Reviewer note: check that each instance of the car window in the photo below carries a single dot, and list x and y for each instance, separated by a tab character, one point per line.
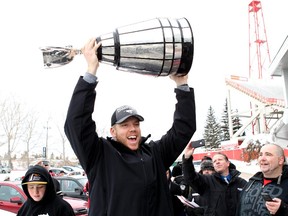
73	185
7	192
68	168
68	185
14	192
56	171
4	193
83	181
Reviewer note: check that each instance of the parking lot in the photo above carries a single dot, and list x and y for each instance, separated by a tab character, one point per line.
13	175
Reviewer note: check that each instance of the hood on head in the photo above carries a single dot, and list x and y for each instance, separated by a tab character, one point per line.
39	175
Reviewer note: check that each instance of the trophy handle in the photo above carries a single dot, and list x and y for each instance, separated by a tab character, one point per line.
58	56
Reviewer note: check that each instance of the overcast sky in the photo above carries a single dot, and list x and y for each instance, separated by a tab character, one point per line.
220	30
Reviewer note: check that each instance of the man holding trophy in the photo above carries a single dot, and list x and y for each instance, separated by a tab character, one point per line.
127	176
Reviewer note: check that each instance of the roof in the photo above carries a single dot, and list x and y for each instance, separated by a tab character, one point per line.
268	92
280	61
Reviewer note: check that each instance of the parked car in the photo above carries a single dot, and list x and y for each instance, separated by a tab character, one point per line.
12	198
58	170
4	169
73	186
74	170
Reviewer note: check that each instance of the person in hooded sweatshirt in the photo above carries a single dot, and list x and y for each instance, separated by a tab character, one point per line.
41	195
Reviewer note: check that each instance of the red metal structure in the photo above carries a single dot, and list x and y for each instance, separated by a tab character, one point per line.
259	56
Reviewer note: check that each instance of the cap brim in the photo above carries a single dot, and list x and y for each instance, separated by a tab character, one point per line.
139	117
34	182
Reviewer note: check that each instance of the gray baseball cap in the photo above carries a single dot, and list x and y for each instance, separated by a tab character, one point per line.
124	112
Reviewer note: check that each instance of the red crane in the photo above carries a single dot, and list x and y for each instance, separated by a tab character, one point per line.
259	56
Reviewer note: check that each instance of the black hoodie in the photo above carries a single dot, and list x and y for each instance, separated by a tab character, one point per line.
50	205
122	181
253	204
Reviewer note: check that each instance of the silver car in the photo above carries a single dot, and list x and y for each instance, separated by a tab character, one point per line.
4	169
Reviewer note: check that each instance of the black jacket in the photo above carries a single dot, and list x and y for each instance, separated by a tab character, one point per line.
177	187
125	182
253	204
51	204
221	198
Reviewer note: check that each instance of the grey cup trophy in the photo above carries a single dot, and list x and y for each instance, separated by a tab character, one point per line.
157	47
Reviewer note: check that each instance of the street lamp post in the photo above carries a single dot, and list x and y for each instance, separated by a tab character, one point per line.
45	152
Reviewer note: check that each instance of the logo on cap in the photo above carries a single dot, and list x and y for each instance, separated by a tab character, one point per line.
35	178
124	112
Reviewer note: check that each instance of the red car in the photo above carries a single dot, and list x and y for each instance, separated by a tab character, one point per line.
12	198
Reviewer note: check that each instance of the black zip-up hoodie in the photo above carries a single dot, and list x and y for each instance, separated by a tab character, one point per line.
50	205
253	204
122	181
217	197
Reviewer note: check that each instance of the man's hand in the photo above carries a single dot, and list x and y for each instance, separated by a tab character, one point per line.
90	53
273	205
188	151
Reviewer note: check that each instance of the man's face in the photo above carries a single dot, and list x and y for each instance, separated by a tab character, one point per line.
128	133
36	191
270	163
221	165
207	172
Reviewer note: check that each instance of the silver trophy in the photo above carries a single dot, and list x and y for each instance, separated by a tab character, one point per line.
157	47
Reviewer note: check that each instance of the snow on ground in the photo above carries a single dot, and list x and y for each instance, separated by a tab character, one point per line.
245	167
15	174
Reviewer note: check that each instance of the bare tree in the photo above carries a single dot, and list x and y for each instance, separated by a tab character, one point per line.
11	122
30	137
63	139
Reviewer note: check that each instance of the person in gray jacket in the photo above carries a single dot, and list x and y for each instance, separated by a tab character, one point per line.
271	180
221	190
127	175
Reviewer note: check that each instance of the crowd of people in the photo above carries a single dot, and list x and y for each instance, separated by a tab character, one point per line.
216	187
220	190
129	175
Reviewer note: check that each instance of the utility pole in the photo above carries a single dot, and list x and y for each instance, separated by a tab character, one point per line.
45	150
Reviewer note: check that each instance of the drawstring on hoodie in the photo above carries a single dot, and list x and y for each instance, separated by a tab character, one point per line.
249	186
279	179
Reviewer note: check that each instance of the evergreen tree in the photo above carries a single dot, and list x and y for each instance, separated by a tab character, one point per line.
225	123
236	122
212	131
